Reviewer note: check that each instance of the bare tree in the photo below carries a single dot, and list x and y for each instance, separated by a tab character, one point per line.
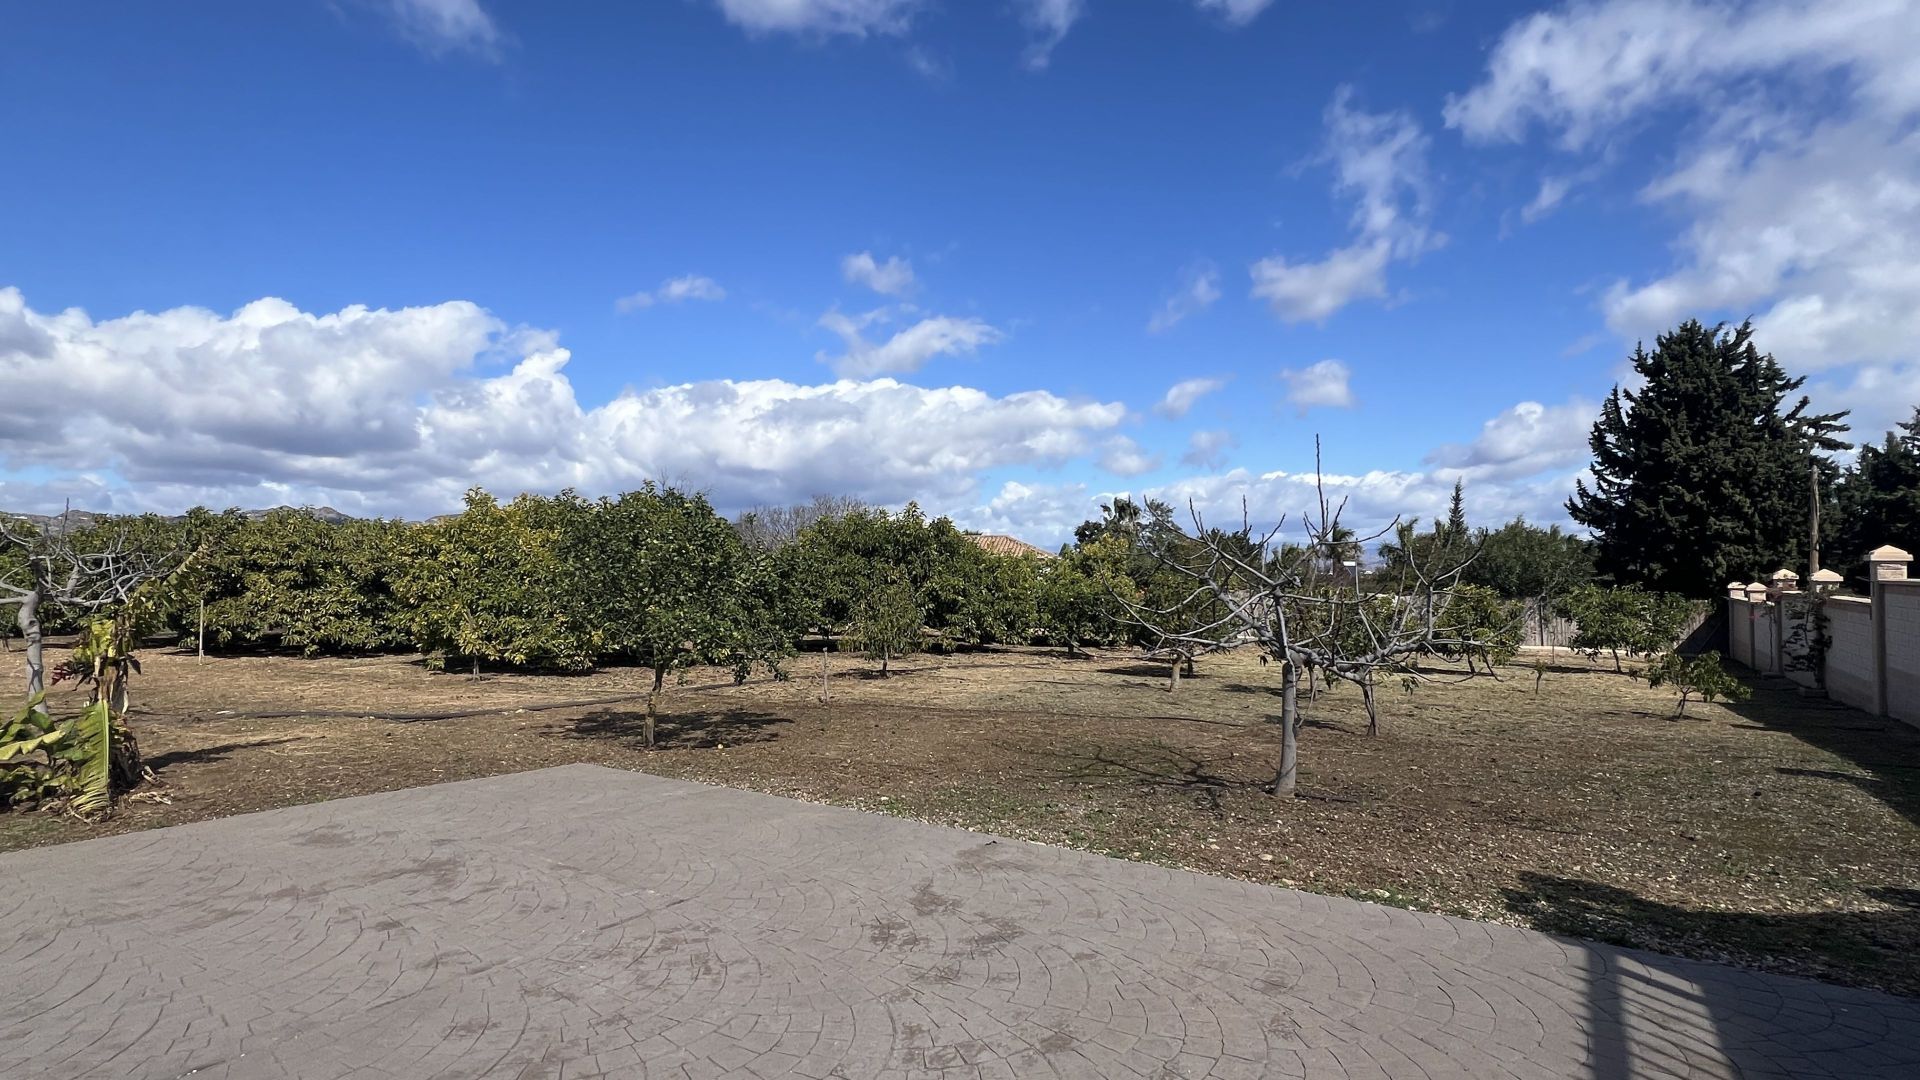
86	573
1302	605
767	528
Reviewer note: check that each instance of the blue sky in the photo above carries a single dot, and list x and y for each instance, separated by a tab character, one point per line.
923	249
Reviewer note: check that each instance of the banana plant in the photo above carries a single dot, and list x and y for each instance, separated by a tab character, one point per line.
29	769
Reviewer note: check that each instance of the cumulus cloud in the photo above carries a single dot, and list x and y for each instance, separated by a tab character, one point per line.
892	278
1379	161
398	411
1181	396
1041	514
1321	385
907	350
1527	439
1208	449
852	18
673	291
1373	499
443	26
1199	288
1122	456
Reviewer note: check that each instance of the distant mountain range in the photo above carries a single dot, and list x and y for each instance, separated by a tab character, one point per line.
80	519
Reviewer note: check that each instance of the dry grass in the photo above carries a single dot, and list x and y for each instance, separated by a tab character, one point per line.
1781	833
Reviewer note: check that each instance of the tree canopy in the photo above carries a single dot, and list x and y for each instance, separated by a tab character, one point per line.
1701	475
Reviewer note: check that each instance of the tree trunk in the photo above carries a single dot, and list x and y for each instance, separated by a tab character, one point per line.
1366	698
659	680
823	676
1285	777
202	647
29	619
886	655
1173	678
476	667
1617	669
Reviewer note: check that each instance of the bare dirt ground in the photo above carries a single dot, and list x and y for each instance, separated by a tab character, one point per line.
1780	833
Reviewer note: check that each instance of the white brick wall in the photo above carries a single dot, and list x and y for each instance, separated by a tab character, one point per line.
1850	656
1902	629
1739	632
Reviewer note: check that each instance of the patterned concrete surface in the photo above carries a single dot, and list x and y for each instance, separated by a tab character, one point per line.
583	922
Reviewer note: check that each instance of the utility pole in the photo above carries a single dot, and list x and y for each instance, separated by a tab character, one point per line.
1813	545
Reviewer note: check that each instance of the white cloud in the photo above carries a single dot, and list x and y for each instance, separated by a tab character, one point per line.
1234	12
674	291
1380	161
398	411
1553	191
1198	289
907	350
1324	384
892	278
1373	499
1817	235
1122	456
1181	396
853	18
1313	291
1208	449
1049	21
1796	169
442	26
1586	68
1041	514
1525	440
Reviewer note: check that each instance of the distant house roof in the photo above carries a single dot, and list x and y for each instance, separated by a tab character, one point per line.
1007	545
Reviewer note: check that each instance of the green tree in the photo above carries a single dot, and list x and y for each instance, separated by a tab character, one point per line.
490	585
1076	597
1701	475
1700	676
1878	499
1521	561
887	620
1626	620
660	580
291	578
1489	626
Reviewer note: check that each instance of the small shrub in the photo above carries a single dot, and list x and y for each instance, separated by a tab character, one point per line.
1699	676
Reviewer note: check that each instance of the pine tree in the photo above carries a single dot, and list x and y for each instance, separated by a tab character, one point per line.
1878	499
1456	527
1700	476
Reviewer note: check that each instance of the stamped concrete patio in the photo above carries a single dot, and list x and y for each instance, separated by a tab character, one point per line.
584	921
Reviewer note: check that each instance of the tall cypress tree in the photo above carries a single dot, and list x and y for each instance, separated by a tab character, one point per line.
1456	527
1879	499
1701	475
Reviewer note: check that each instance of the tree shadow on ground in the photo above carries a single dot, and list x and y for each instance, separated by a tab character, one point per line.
1842	946
1156	765
872	674
1143	669
1631	996
160	762
1884	751
681	730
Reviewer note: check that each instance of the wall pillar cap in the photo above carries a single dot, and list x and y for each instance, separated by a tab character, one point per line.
1888	553
1826	577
